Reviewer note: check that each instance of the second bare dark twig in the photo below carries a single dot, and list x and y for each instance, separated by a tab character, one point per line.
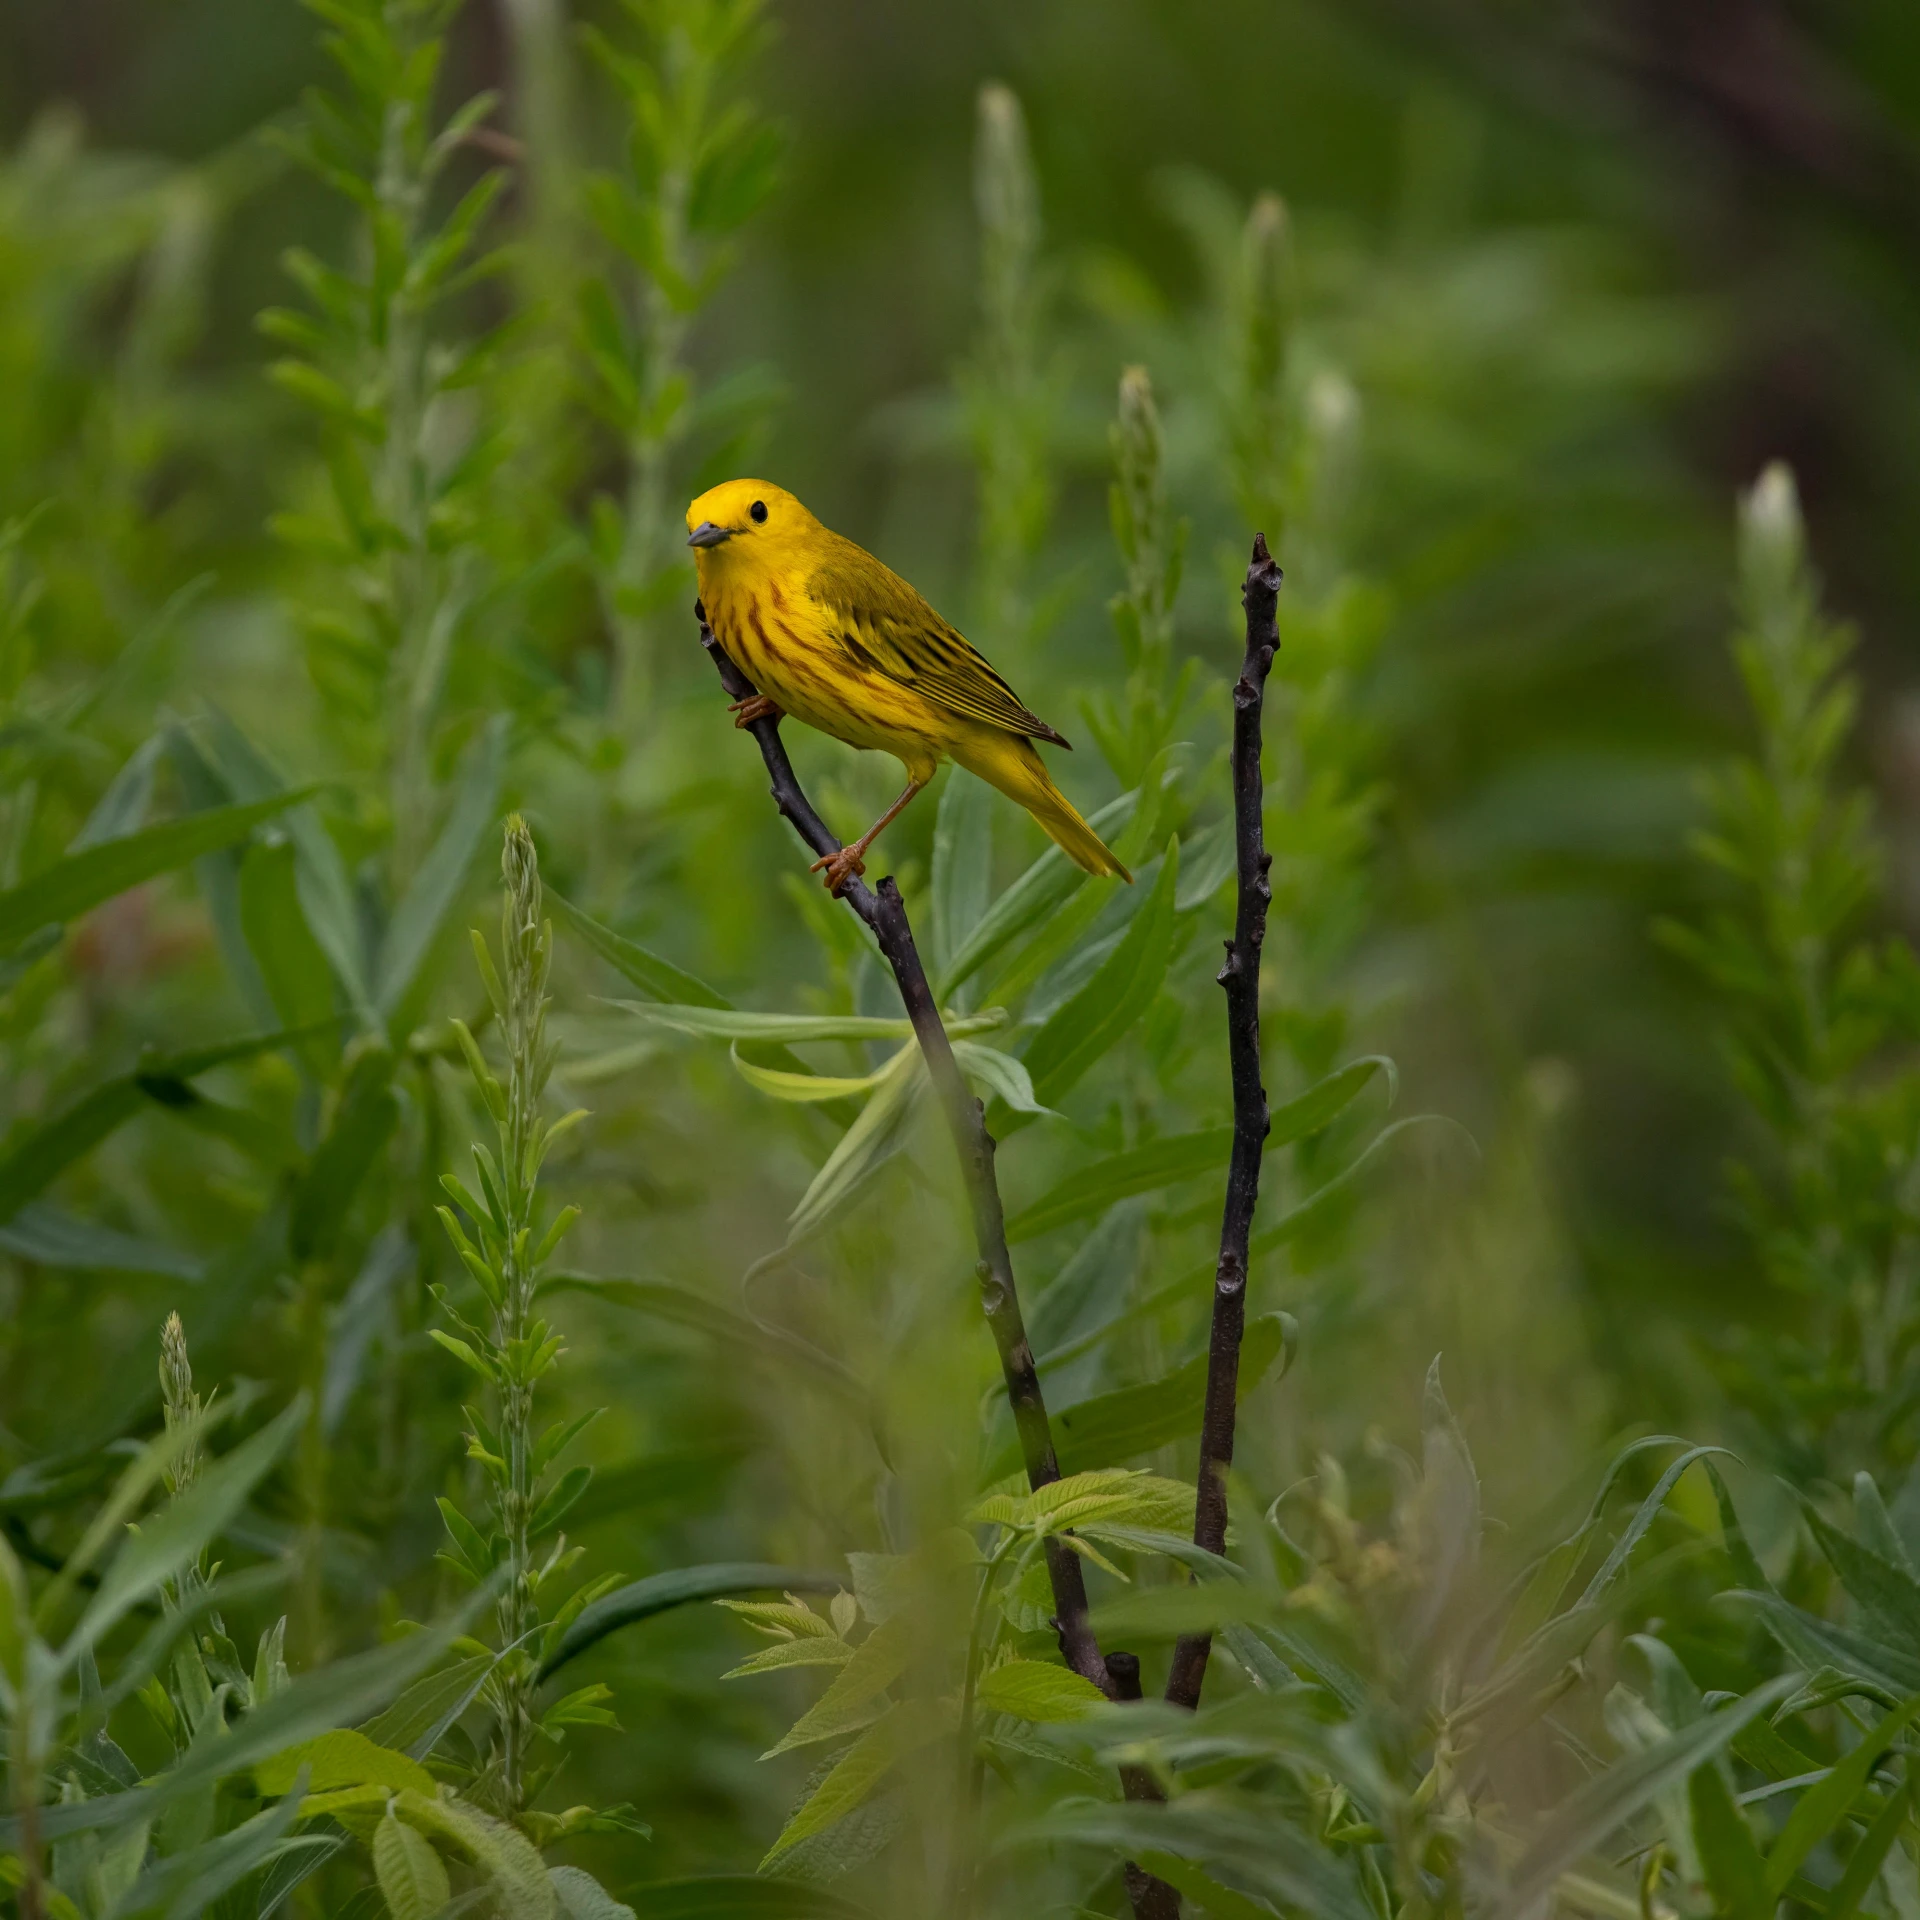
1241	979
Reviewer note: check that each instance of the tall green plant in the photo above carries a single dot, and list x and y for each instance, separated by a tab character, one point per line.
699	161
1821	1015
407	438
512	1351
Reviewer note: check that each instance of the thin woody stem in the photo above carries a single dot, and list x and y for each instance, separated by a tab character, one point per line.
885	914
1241	979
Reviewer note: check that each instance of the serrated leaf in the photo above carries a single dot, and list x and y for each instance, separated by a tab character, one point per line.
857	1776
412	1876
342	1758
852	1701
1035	1690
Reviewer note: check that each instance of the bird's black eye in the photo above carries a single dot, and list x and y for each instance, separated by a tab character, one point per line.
759	511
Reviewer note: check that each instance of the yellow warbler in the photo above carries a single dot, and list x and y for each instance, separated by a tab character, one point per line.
835	638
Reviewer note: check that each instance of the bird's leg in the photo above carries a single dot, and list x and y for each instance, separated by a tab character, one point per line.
842	866
756	706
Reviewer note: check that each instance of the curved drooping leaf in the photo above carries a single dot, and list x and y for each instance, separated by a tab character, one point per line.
1123	987
1118	1426
77	881
858	1773
643	1599
36	1157
1182	1156
657	978
1597	1809
1030	899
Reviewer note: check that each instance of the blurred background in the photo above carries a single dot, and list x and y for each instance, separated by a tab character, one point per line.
1551	284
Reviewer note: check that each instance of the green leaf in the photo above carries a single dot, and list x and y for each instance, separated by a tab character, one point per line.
170	1542
730	1023
1123	987
1129	1421
743	1897
413	1878
435	889
962	879
683	1307
365	1116
1035	1690
1734	1869
1887	1593
857	1775
805	1088
347	1689
121	809
864	1148
1864	1864
1183	1156
503	1853
50	1237
342	1758
1145	1169
292	967
554	1508
414	1723
33	1159
1597	1809
855	1696
187	1886
1040	891
68	887
997	1076
582	1897
1823	1807
643	1599
657	978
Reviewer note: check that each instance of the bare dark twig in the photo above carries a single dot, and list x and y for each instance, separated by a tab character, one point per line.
885	914
1241	979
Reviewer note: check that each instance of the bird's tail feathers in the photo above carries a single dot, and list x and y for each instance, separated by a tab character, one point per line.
1008	762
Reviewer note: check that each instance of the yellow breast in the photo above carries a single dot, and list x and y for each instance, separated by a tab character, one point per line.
787	645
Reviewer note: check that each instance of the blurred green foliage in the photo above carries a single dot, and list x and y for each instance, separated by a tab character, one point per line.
357	363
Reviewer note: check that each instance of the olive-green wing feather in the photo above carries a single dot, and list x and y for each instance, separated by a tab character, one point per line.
886	627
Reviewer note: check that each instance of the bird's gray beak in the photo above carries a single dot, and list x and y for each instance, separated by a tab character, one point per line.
706	534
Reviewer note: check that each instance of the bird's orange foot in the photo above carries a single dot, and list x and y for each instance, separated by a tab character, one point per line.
756	707
840	868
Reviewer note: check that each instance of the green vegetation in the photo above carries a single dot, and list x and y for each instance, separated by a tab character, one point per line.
508	1427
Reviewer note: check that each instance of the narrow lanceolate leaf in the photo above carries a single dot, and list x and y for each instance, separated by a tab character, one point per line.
1597	1810
1035	1690
1183	1156
864	1148
435	890
658	979
52	1238
807	1088
34	1159
1129	1421
1887	1593
962	861
998	1076
289	960
172	1539
70	886
861	1770
732	1023
1823	1807
1123	987
643	1599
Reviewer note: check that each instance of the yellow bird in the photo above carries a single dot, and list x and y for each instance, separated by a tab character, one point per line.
835	638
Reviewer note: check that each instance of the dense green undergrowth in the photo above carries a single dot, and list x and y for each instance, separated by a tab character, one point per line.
404	1336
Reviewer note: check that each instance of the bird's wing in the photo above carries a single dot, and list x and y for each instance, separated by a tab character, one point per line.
886	627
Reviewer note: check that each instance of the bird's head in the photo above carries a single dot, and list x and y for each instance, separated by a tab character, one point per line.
749	524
